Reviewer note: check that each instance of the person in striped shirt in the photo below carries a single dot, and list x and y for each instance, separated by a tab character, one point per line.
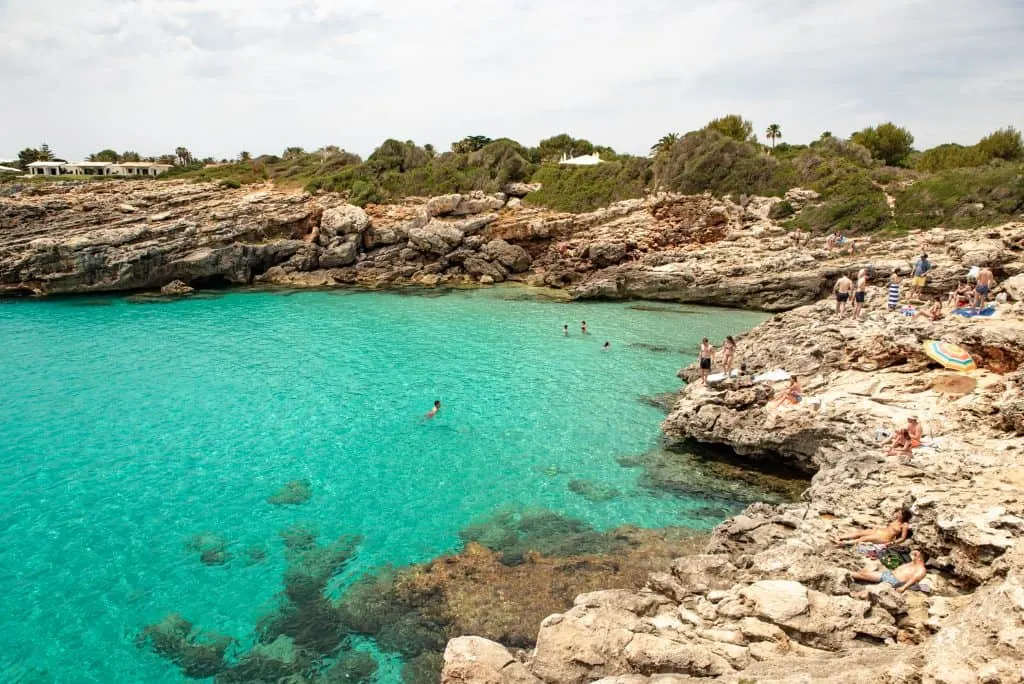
893	298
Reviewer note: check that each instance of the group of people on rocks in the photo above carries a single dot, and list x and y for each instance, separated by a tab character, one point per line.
902	568
962	296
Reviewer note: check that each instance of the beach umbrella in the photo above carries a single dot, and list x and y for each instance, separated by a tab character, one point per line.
949	355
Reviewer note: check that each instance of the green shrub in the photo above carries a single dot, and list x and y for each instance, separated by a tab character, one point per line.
706	160
781	210
231	183
887	142
963	198
586	188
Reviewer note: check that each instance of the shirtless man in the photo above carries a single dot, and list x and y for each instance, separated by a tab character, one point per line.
914	431
842	290
707	352
985	283
902	578
860	293
896	531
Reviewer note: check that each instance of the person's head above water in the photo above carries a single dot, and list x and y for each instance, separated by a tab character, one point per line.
607	344
704	341
437	404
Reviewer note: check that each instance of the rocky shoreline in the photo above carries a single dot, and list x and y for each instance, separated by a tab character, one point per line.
769	600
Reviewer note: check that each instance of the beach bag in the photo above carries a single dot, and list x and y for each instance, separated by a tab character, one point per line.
894	556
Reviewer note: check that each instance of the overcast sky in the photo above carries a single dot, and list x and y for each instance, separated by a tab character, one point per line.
221	76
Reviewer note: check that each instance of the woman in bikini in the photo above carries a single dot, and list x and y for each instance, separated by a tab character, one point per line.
895	532
728	351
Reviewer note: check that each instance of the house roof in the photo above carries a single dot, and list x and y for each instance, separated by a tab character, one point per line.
90	164
9	169
143	165
47	163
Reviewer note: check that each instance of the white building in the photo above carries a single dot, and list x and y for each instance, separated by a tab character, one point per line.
141	168
88	168
585	160
9	169
46	168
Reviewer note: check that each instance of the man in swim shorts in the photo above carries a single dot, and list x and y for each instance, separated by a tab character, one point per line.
707	352
842	290
902	578
984	285
860	293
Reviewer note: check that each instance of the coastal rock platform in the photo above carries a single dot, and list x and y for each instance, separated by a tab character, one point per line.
771	598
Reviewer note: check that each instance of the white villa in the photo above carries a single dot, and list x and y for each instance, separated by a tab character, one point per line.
87	168
585	160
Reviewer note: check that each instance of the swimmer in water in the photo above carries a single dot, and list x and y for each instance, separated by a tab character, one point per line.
565	329
433	412
583	327
607	346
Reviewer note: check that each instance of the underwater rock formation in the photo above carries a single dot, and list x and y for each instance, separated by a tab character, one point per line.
212	548
291	494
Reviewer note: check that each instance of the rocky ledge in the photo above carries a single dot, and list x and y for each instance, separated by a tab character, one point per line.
115	236
771	598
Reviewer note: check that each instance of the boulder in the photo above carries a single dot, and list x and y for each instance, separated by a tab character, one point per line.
177	288
776	600
478	203
989	253
346	219
476	266
340	254
435	238
520	189
443	204
606	253
1014	288
513	257
479	661
650	654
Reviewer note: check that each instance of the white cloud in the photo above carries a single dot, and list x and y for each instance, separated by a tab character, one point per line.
226	75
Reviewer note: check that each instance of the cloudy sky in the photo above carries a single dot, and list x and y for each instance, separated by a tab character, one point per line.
221	76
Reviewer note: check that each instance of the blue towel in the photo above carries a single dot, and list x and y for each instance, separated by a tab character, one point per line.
972	313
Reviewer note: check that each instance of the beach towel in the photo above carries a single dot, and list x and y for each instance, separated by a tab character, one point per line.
772	376
968	312
894	295
719	377
908	311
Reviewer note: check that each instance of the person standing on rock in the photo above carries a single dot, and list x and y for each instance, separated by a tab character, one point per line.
893	294
842	290
861	292
921	268
984	285
728	351
707	352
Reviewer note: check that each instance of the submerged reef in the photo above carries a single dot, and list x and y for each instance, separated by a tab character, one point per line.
291	494
517	567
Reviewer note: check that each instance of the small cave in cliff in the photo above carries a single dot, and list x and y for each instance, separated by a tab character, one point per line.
214	282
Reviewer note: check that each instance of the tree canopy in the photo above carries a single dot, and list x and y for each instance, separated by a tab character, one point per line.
887	142
733	126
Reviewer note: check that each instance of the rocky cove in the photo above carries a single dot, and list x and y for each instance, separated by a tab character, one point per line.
767	598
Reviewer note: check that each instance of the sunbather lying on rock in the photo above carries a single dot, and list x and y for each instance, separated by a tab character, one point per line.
902	578
895	532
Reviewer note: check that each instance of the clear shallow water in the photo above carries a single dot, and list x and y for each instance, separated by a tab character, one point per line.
127	429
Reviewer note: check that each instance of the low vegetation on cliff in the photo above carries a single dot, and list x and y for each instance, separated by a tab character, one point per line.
872	181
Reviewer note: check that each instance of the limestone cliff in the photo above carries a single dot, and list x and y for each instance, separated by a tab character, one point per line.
116	236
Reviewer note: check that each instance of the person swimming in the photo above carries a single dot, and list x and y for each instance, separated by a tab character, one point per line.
433	412
565	329
583	327
607	346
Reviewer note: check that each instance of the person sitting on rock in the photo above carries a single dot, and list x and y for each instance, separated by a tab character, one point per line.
895	532
902	578
901	445
914	431
792	395
934	311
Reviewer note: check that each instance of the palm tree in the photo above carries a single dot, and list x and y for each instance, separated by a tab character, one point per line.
773	133
665	144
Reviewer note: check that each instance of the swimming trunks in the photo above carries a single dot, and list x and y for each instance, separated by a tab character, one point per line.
842	296
920	281
705	364
982	289
890	579
859	297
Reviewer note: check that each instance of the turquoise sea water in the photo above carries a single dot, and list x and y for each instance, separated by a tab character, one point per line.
127	429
